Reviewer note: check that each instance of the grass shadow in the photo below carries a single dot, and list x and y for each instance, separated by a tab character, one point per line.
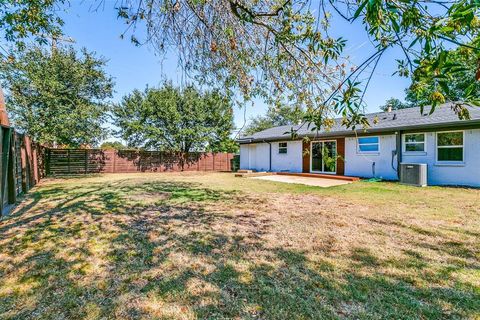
167	249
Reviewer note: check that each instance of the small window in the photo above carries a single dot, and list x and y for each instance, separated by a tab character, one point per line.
282	147
415	142
450	146
368	144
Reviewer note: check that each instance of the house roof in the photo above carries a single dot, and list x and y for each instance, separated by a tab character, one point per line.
405	119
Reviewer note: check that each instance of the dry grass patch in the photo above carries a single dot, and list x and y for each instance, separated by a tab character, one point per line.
195	246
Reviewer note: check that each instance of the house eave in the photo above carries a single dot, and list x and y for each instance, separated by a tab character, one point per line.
465	124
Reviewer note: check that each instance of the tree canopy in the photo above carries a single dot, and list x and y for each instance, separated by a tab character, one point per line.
174	119
283	50
112	145
20	20
463	85
396	104
457	87
279	116
58	97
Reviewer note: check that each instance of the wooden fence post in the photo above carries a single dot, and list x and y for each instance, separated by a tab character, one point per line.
68	160
114	160
23	161
4	172
86	161
11	181
47	164
160	158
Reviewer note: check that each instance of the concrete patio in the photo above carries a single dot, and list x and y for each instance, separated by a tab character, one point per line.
310	181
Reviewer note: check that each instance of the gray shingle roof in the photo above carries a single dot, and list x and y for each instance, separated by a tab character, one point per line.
410	118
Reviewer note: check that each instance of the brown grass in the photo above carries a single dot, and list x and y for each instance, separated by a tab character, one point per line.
195	246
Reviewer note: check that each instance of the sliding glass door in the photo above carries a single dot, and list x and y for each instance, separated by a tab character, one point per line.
323	156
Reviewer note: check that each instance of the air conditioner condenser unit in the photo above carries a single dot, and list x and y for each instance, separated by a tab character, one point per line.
414	174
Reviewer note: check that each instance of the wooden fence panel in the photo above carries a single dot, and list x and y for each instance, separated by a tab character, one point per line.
78	161
21	166
18	166
24	163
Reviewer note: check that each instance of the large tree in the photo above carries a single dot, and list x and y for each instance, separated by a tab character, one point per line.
174	119
26	20
283	50
112	145
461	86
453	87
396	104
58	97
275	116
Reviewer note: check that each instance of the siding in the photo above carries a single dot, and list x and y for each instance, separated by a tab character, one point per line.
256	156
244	156
467	174
361	165
291	161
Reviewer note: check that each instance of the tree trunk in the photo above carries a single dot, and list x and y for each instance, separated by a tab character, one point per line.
183	159
3	110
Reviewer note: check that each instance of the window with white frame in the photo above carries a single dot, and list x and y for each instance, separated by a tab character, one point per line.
450	146
282	147
414	142
368	144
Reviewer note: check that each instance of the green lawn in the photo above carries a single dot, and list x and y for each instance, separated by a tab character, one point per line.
196	246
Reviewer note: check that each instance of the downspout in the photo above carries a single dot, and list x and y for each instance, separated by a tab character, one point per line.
270	155
399	152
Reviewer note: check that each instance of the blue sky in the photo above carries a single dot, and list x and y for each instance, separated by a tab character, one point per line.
98	29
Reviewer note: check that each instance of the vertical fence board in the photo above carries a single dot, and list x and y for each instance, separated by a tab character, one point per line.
24	163
21	167
75	161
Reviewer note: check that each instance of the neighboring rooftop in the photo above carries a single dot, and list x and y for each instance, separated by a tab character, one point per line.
403	119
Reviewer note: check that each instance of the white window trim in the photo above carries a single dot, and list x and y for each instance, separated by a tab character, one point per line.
286	148
367	144
447	162
404	145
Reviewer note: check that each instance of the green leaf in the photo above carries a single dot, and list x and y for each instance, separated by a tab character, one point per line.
360	9
444	86
395	25
442	57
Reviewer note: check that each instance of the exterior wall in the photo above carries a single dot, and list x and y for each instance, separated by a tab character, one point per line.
262	161
256	156
244	156
361	164
291	161
466	173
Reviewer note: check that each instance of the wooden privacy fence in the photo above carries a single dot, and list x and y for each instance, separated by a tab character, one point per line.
24	162
21	166
82	161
